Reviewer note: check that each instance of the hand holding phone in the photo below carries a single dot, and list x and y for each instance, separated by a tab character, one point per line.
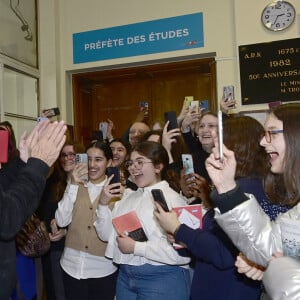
158	197
220	135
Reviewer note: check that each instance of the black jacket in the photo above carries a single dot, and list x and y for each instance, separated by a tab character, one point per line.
21	187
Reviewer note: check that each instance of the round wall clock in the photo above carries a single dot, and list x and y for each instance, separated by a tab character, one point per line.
278	15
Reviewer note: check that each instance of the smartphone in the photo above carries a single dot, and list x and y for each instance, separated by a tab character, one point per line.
41	119
228	93
204	105
81	158
194	106
187	162
188	100
4	136
144	105
220	135
103	126
113	171
159	197
51	112
172	118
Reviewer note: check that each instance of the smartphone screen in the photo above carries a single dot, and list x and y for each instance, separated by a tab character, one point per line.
51	112
113	171
103	126
159	197
172	118
204	105
228	93
187	162
195	106
220	135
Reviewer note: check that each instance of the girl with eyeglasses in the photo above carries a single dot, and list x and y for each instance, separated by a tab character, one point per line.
240	216
151	269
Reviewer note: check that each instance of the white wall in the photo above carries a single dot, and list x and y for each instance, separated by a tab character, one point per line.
227	24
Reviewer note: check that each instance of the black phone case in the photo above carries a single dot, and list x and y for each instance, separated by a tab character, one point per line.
172	118
159	197
116	172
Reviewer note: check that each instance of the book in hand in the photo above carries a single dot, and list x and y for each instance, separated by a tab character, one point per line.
190	215
131	225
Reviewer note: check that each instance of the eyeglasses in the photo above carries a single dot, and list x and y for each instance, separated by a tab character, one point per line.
69	155
269	134
138	164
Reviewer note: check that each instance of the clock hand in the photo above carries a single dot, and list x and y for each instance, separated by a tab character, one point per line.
277	18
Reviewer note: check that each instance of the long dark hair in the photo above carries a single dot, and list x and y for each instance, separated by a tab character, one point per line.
242	135
59	176
102	146
285	188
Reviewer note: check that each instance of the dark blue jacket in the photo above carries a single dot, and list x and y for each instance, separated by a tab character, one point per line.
215	276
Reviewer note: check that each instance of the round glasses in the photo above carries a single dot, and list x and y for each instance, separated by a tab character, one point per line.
138	164
69	155
269	134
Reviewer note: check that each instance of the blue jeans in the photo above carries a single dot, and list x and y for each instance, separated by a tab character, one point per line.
148	282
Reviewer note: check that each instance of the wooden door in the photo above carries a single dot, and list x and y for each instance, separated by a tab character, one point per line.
116	94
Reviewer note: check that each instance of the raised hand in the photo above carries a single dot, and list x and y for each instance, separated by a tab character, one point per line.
221	173
48	140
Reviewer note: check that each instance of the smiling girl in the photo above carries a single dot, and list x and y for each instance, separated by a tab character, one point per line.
87	273
151	269
241	217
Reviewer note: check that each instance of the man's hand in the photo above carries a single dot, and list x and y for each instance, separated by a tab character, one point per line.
48	141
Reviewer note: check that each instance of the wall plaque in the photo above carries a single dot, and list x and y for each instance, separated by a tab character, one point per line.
270	71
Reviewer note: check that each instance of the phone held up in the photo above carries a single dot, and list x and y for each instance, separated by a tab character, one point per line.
228	93
82	158
113	171
187	162
172	118
159	197
51	112
220	135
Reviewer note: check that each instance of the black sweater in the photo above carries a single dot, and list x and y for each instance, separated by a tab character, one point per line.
21	187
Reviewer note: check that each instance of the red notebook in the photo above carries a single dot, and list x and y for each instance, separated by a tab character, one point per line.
190	215
130	224
4	146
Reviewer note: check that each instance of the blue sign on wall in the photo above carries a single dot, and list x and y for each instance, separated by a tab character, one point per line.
171	34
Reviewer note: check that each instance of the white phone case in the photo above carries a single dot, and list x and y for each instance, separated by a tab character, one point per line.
187	161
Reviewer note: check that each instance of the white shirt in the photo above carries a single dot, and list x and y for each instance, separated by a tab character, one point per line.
157	250
79	264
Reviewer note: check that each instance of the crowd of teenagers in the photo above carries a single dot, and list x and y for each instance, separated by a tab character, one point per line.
247	247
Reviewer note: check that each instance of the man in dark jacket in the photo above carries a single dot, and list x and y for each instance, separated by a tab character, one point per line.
20	197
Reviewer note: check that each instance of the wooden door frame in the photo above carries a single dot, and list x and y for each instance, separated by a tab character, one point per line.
89	77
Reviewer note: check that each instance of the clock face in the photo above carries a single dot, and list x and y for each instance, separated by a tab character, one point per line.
278	15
